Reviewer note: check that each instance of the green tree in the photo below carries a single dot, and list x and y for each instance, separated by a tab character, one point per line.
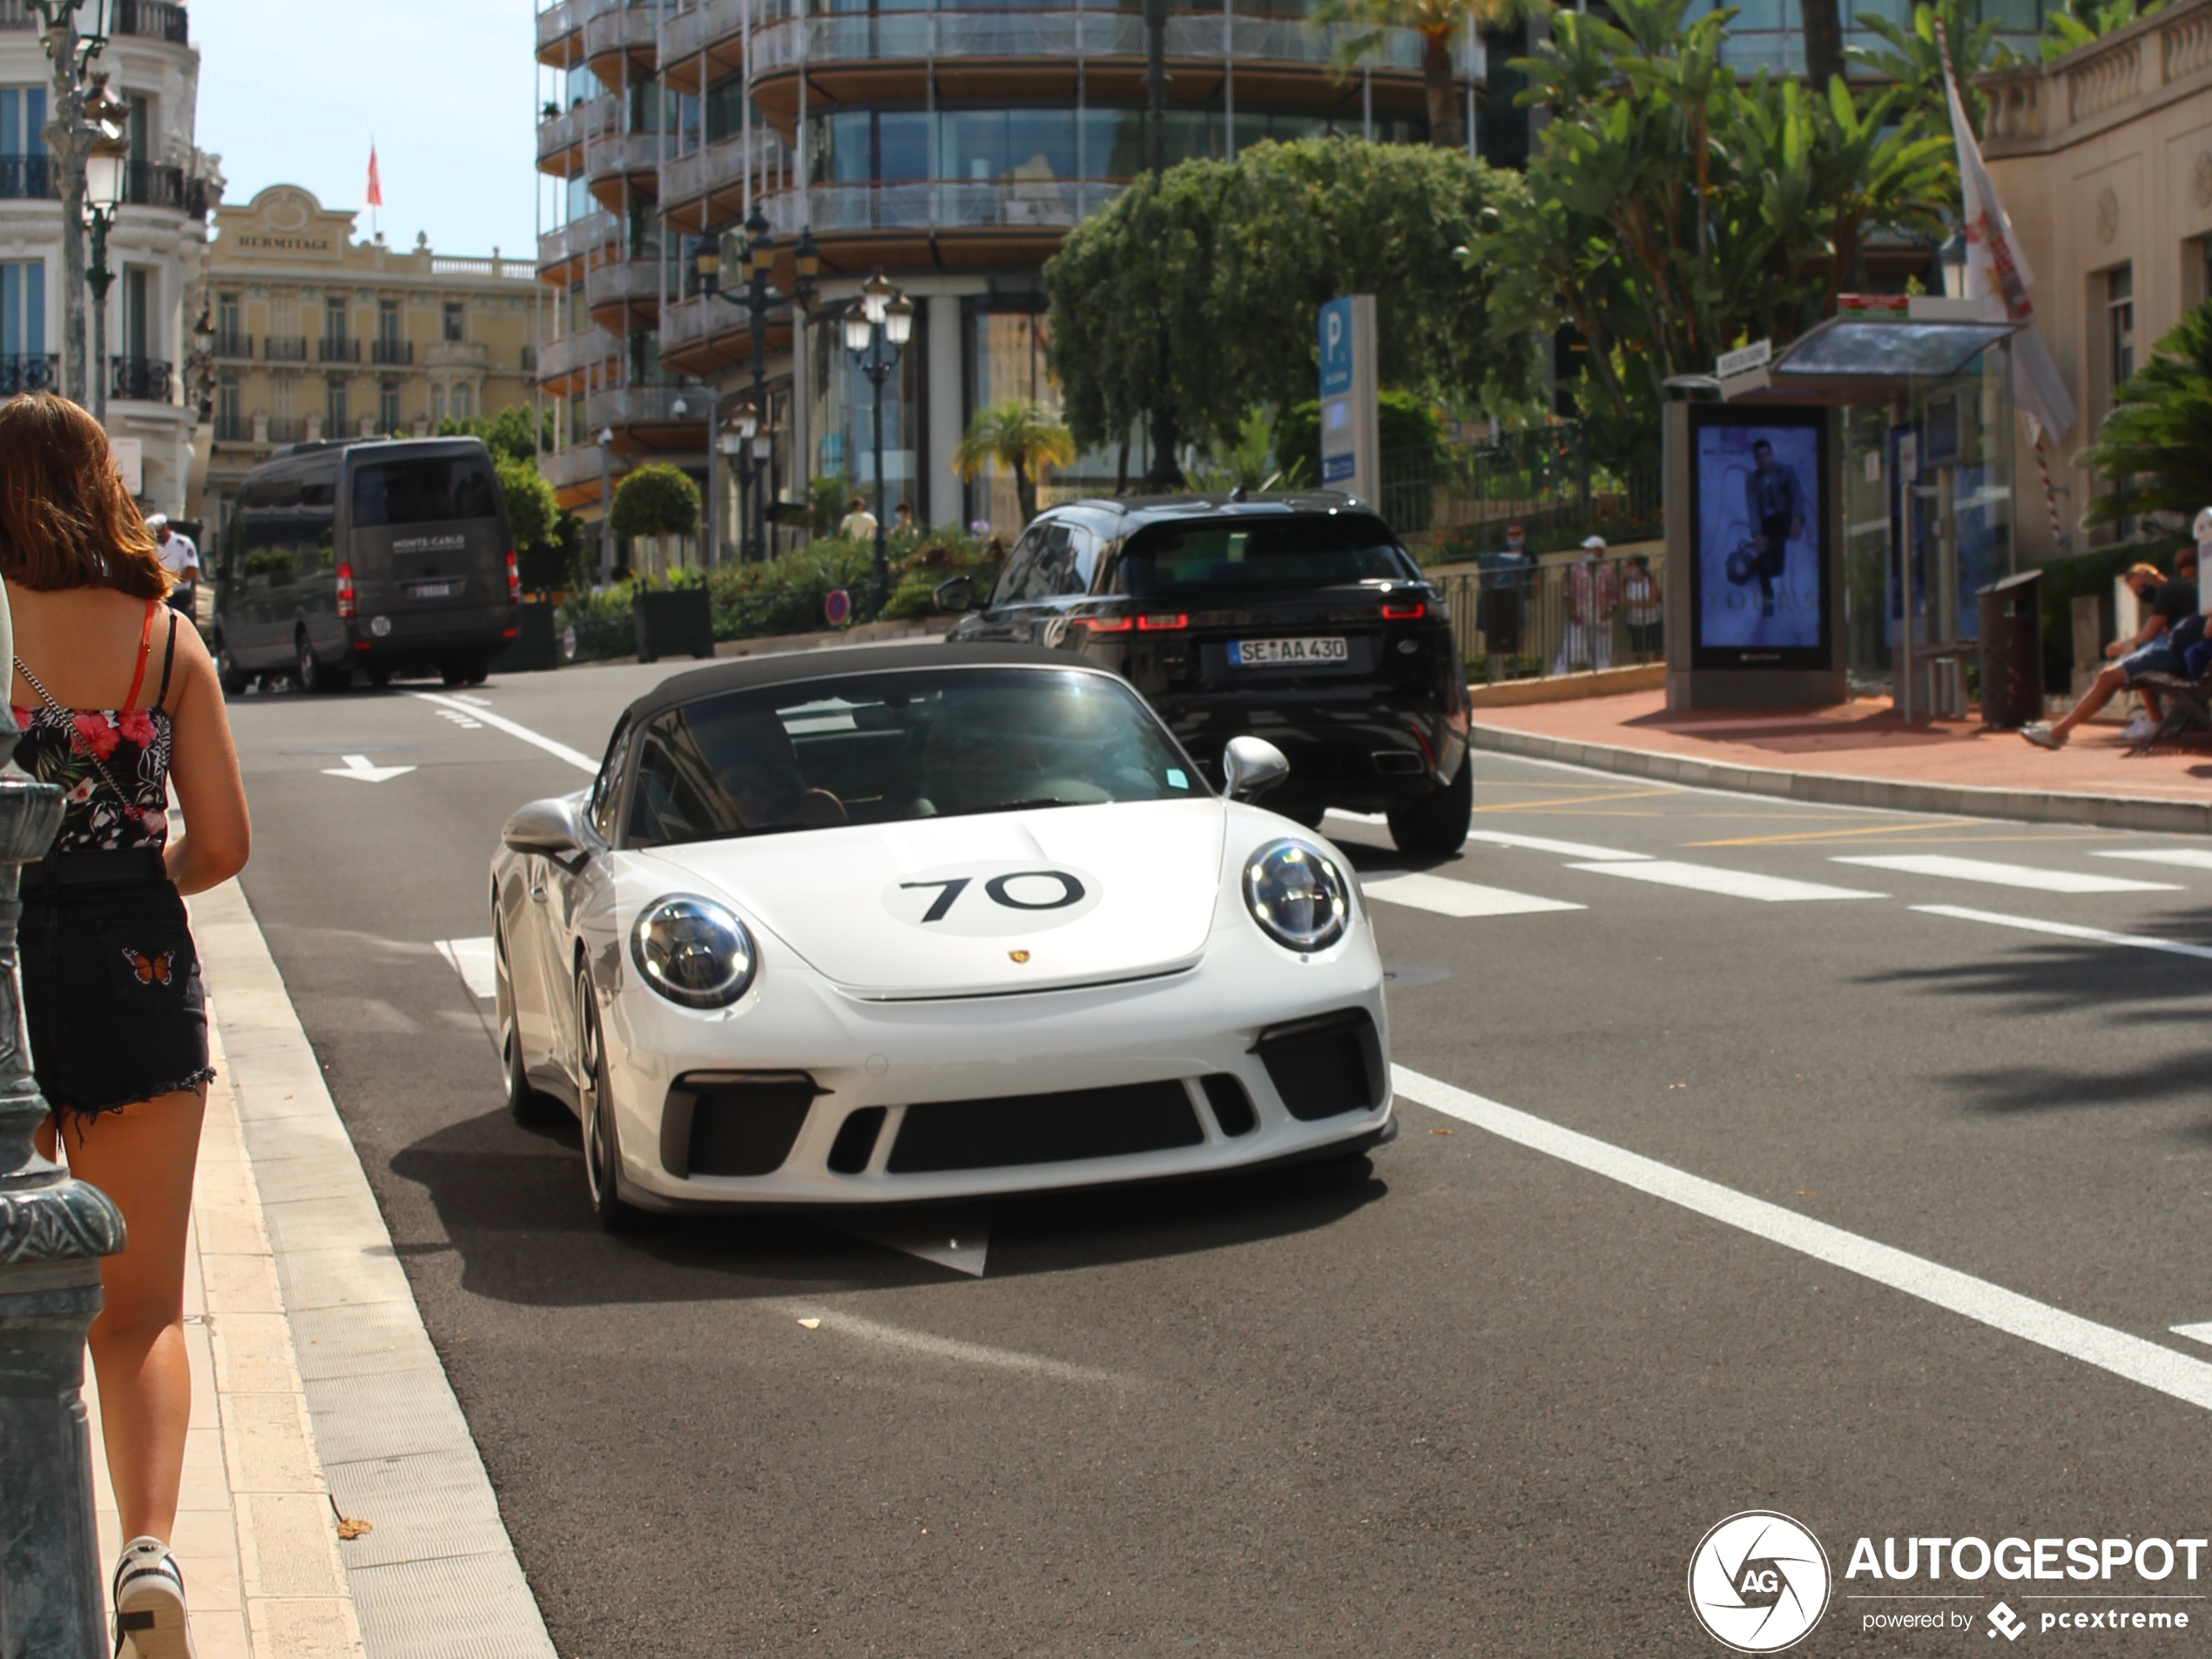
2155	449
506	433
533	518
1673	212
1910	59
2082	22
656	500
1438	23
1235	259
1021	437
1405	425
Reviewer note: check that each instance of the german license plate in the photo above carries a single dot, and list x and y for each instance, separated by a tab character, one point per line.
1287	653
434	589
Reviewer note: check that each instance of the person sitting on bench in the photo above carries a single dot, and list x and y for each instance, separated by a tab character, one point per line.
2170	626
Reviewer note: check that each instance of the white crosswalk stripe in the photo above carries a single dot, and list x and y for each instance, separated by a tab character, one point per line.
1448	898
2187	858
1565	849
2004	875
472	960
2066	930
1732	884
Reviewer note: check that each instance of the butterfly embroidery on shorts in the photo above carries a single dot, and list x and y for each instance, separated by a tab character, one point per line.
150	970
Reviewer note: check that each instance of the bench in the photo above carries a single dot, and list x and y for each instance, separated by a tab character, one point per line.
2186	702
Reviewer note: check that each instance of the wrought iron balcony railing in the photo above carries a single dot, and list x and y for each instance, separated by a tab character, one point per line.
1013	204
29	373
25	177
140	380
232	345
285	348
333	349
391	351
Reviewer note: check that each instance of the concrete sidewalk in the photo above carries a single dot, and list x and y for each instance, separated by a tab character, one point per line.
333	1504
1859	753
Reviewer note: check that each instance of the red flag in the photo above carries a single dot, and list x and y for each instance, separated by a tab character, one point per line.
375	187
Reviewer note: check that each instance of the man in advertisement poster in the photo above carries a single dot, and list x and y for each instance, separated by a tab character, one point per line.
1775	500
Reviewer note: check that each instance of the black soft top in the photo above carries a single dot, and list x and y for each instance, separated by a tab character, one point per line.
797	667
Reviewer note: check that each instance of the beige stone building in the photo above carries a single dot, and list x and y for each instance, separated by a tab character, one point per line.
2103	159
318	333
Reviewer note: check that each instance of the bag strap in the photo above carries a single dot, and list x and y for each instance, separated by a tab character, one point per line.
146	646
47	697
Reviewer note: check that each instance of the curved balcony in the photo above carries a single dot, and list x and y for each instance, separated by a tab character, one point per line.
861	56
560	34
561	137
985	222
623	294
561	252
714	31
707	186
709	333
575	474
565	366
613	30
645	417
612	160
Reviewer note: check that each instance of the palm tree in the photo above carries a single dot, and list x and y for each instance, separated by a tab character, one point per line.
1020	435
2156	446
1438	22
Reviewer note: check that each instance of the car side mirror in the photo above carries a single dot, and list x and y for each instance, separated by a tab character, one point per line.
956	593
1251	765
544	827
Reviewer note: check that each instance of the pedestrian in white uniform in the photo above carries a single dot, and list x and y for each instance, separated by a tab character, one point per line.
181	558
1593	595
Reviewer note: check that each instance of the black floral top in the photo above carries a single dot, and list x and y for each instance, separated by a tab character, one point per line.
60	746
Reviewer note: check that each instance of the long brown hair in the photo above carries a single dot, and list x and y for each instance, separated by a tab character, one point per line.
65	519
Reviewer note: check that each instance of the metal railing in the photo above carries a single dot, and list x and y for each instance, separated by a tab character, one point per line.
28	373
232	427
232	345
149	183
331	348
861	37
153	20
287	429
556	358
620	153
1008	203
594	231
391	351
622	280
285	348
1531	621
142	380
722	163
555	22
620	28
629	405
26	177
1456	502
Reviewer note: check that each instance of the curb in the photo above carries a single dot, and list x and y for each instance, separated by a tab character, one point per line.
436	1577
1836	789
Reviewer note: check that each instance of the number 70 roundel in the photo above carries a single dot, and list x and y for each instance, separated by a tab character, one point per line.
989	900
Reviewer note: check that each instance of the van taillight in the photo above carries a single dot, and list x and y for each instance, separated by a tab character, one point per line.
346	591
514	579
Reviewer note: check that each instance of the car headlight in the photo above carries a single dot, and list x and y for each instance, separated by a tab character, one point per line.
693	952
1297	895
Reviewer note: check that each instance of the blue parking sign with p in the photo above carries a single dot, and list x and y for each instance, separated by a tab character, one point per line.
1336	347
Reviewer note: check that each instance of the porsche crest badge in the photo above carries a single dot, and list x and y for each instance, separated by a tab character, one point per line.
1017	956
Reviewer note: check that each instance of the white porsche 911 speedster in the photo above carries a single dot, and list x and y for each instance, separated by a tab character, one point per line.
926	921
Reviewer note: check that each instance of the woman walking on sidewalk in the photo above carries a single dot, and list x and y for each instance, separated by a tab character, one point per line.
115	700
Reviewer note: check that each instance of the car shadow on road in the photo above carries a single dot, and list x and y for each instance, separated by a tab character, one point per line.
512	1203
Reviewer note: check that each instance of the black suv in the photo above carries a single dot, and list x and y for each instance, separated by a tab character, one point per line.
1298	618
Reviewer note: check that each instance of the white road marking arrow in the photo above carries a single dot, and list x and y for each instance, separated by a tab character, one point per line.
361	772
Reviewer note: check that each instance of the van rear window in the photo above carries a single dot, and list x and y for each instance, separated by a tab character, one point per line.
424	492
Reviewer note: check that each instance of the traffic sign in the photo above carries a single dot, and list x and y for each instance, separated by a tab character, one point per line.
837	607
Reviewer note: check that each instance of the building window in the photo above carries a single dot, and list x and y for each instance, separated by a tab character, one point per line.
457	320
333	320
230	327
388	406
230	424
333	407
141	128
23	366
2196	270
137	313
23	148
2119	324
463	403
437	404
387	322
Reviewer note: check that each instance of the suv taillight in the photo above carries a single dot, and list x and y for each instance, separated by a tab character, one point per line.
514	579
345	606
1412	611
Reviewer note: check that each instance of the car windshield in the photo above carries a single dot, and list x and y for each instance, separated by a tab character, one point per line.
1308	551
883	748
425	491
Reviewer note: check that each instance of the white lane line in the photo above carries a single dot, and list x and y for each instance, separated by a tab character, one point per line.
2001	875
1448	898
559	750
1538	844
1357	818
2065	930
2136	1359
2194	1332
1730	884
2188	858
471	959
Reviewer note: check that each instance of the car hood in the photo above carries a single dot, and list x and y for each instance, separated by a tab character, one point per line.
1000	903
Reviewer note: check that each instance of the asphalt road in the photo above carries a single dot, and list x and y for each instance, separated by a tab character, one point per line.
1468	1397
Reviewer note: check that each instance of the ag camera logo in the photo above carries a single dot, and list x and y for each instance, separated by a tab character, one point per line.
1758	1582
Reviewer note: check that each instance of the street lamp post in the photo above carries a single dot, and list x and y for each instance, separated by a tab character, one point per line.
756	271
105	166
874	330
732	445
73	32
606	505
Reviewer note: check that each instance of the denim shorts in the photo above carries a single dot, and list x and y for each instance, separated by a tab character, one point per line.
112	995
2157	657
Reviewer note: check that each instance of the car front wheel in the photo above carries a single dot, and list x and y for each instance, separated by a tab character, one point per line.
601	1150
529	1106
1436	824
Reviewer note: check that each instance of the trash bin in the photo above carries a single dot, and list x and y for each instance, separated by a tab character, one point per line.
673	622
2011	650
